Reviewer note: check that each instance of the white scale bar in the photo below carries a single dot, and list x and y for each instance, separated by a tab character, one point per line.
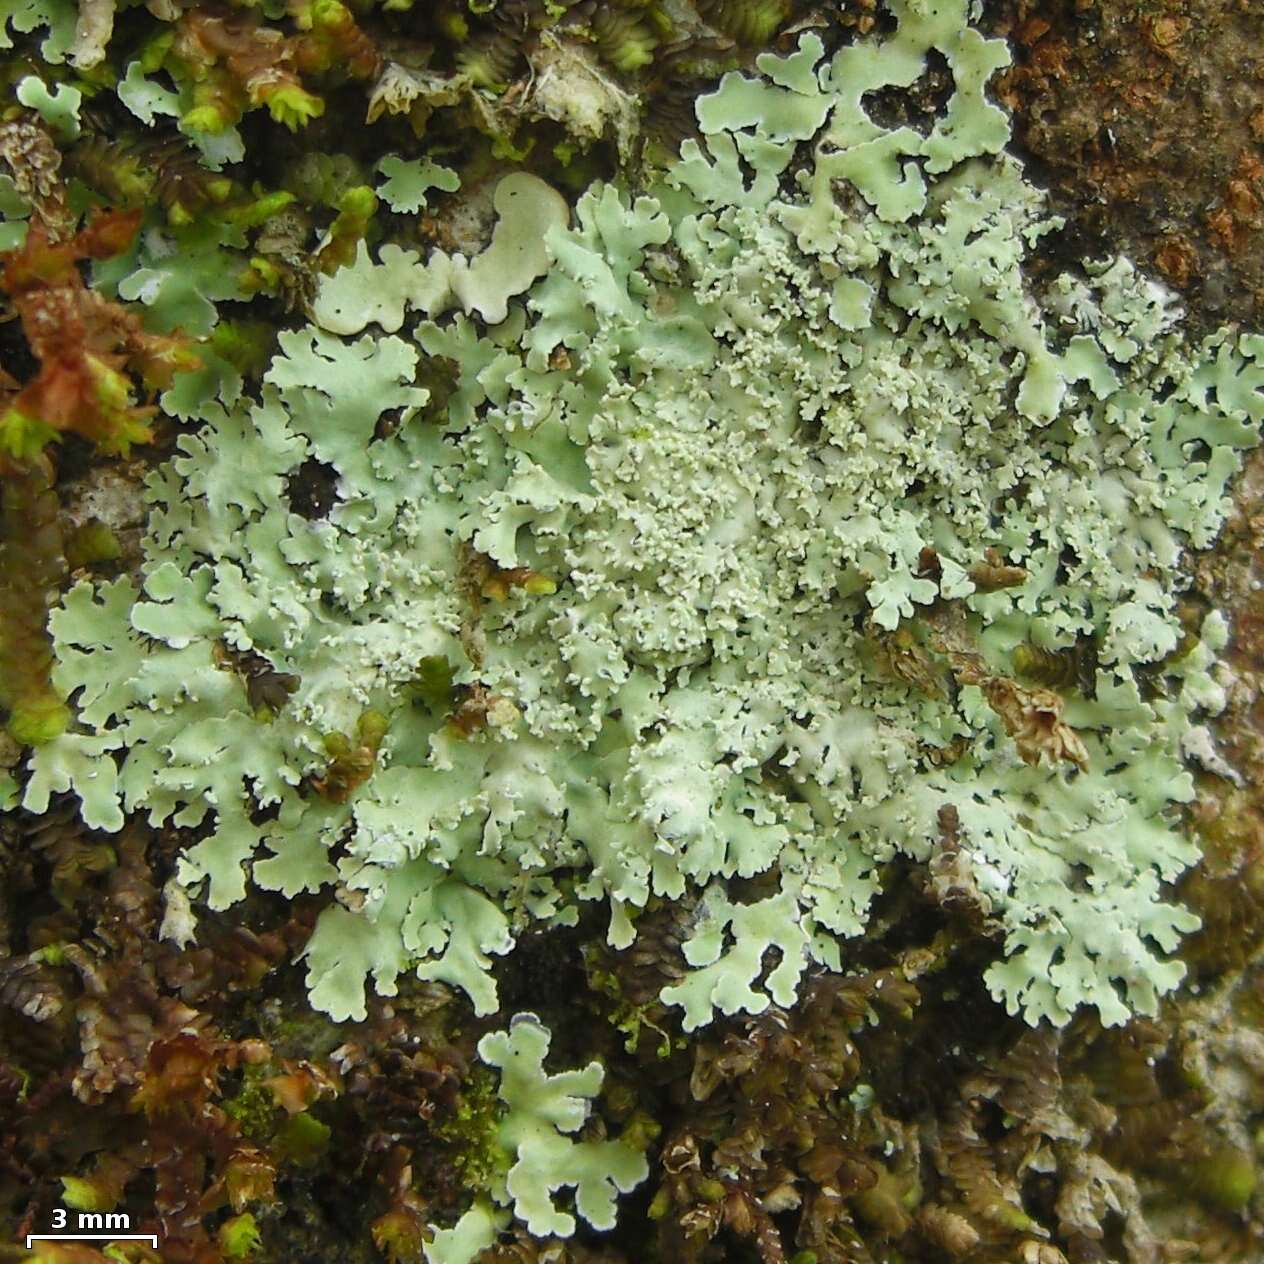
91	1237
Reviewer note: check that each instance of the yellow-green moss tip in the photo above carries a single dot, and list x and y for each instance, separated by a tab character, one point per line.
92	542
750	22
624	39
293	106
1225	1178
34	721
24	437
489	62
239	1237
84	1195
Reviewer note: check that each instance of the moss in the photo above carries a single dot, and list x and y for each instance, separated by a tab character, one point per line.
632	1020
302	1139
1226	1178
253	1106
472	1131
239	1237
752	22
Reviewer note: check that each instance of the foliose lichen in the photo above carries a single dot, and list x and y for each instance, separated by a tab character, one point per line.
808	460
